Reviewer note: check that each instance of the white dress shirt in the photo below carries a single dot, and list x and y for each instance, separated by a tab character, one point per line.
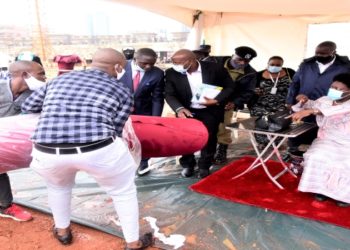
195	79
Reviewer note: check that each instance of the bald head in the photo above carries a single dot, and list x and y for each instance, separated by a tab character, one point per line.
21	66
21	70
184	54
26	69
108	60
186	58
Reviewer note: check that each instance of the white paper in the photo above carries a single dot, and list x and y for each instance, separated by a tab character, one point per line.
205	90
175	240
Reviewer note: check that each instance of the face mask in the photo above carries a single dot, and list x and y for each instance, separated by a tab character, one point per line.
334	94
236	65
180	68
324	59
138	68
120	74
33	83
274	69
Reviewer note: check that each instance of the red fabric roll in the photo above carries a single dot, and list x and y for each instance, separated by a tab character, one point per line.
159	137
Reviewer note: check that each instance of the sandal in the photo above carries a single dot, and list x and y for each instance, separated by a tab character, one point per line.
146	241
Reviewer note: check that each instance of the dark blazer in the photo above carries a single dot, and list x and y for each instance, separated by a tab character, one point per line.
149	96
178	91
309	81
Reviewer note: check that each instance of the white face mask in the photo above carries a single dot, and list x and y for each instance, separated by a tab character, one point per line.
120	74
138	68
33	83
180	68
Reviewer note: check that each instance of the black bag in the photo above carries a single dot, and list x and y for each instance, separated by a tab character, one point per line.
274	122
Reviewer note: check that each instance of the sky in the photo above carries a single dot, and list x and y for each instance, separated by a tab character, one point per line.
83	17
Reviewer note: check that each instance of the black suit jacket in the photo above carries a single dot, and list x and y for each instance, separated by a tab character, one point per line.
149	96
178	91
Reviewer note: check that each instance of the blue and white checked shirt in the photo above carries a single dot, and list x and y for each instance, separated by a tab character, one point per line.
79	107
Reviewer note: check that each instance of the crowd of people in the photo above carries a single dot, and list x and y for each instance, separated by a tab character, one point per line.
77	133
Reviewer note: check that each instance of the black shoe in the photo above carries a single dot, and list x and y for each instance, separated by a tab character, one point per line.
342	204
146	241
203	173
143	169
63	239
221	154
320	197
187	172
286	157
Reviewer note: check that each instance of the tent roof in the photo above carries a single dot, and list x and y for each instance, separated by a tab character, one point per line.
272	27
183	10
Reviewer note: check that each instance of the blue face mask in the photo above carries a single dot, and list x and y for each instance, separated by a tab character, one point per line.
334	94
274	69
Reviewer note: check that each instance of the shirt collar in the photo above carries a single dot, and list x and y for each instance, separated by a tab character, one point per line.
133	65
199	69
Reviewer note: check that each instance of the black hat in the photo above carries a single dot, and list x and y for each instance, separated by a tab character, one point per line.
204	48
128	52
245	52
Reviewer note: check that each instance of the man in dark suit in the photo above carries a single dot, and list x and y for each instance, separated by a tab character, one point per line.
181	84
147	83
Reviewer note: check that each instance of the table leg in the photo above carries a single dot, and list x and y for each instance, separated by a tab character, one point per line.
279	157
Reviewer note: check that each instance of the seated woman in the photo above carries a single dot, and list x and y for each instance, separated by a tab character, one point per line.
327	161
271	91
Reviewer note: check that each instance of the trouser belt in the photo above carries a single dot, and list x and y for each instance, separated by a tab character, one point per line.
73	149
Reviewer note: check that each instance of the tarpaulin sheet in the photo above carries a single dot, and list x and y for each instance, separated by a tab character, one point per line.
205	221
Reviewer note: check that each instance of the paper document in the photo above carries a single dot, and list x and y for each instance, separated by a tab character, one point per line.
205	90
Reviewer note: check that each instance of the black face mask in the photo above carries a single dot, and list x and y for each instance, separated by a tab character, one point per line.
324	59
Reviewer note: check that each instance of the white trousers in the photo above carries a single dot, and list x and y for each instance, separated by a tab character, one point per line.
112	167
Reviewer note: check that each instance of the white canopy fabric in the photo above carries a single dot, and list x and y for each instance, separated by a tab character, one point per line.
271	27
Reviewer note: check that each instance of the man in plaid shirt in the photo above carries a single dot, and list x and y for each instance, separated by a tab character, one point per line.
82	117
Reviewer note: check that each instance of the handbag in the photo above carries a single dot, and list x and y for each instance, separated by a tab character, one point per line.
275	122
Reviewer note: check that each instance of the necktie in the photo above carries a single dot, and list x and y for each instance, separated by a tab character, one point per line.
136	80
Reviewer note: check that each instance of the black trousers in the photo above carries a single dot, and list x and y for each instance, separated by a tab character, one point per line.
306	138
5	191
211	122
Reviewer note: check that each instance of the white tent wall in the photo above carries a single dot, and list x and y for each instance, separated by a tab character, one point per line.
268	35
272	27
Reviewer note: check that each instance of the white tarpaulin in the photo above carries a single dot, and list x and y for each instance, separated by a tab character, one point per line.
272	27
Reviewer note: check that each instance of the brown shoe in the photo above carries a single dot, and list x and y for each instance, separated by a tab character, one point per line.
65	239
146	241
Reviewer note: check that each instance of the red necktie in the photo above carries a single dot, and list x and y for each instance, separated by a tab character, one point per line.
136	80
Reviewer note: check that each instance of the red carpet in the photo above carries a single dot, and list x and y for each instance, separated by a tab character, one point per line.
256	189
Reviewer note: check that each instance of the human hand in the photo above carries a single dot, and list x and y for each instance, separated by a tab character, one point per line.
184	113
258	91
302	99
209	102
298	116
229	106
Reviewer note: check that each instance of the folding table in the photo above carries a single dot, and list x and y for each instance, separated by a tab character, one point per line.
248	125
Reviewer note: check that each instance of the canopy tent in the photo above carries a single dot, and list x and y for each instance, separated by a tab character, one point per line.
272	27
